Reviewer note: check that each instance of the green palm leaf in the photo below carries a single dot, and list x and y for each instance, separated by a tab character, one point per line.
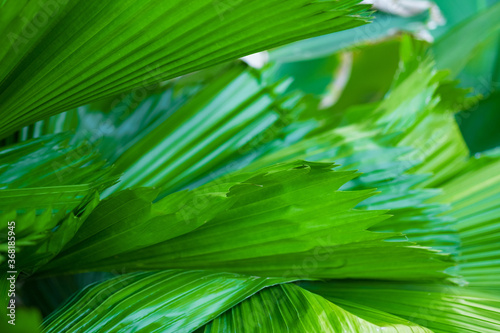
289	308
473	196
60	55
46	218
235	114
441	308
51	161
166	301
262	230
